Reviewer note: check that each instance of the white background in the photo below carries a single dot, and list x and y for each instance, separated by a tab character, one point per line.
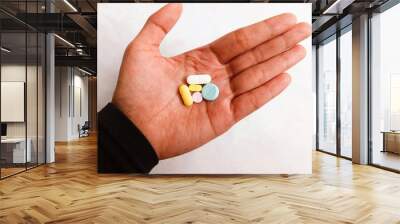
275	139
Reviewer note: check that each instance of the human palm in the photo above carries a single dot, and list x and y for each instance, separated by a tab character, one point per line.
247	65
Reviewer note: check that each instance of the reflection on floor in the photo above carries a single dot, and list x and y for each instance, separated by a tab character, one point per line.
13	169
346	151
387	159
10	171
71	191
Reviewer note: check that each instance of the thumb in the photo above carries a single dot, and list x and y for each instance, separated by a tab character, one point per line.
159	24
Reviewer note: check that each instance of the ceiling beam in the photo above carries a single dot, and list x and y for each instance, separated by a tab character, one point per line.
49	22
332	29
337	7
84	24
82	61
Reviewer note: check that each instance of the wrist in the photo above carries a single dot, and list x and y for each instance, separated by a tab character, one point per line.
124	108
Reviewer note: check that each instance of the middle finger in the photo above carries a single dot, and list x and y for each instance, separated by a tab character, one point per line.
271	48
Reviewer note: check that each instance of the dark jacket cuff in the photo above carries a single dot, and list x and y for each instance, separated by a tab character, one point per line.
122	148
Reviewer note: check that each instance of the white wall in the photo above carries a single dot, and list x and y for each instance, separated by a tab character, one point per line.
69	82
80	103
62	82
17	73
14	73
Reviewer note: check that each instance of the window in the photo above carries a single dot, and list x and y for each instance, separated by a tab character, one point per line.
346	75
394	101
327	96
385	89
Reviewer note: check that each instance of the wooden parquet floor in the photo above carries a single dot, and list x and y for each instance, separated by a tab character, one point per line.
70	191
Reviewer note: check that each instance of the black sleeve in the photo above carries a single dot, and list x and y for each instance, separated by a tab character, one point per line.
121	147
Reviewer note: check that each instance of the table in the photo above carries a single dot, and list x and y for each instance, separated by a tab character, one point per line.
15	148
391	141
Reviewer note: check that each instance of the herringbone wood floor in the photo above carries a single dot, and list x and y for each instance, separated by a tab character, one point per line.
70	191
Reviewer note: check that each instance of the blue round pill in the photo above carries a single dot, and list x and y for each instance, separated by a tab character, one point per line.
210	91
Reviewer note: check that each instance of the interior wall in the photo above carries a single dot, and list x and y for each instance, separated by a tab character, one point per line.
62	78
71	102
17	73
80	110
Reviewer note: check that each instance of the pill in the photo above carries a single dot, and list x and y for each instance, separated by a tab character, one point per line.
198	79
195	87
197	97
185	95
210	91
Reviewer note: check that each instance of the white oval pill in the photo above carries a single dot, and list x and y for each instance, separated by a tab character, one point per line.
198	79
197	97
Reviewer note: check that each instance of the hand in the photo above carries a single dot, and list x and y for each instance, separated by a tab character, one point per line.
248	65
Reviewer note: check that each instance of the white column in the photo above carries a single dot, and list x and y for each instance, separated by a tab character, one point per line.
50	99
360	90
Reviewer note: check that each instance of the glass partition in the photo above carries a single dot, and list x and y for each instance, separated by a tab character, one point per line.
22	77
13	94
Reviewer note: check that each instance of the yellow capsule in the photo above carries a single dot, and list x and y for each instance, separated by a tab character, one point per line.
195	88
185	95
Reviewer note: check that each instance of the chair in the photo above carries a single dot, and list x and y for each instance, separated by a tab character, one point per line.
84	130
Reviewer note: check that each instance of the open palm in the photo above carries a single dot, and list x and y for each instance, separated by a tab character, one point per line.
247	65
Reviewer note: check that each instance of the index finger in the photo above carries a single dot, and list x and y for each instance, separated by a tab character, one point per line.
246	38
